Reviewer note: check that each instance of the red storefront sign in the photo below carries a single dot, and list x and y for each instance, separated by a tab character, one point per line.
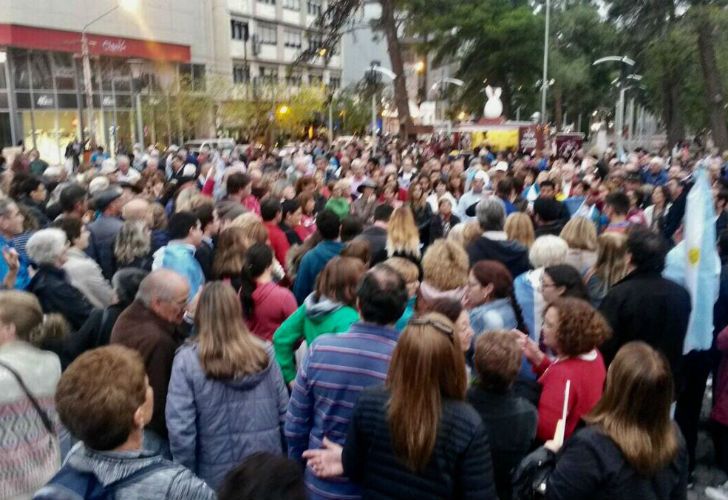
26	37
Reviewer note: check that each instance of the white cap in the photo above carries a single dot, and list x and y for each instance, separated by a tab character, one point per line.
501	166
98	184
482	176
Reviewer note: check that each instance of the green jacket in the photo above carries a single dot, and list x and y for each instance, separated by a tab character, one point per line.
310	320
340	206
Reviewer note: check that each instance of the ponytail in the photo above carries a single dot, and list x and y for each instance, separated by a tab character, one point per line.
520	322
258	258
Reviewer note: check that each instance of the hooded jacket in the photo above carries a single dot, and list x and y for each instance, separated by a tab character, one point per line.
180	257
315	317
511	254
273	305
214	424
172	482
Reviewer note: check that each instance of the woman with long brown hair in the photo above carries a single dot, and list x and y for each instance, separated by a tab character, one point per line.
416	437
226	396
630	448
331	308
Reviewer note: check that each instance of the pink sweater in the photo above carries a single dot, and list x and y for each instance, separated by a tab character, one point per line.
273	304
587	374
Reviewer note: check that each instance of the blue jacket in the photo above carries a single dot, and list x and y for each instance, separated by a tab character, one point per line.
496	315
23	278
311	265
180	257
214	424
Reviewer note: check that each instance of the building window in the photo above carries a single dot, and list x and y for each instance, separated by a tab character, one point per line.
267	34
269	2
292	39
238	30
335	82
269	74
294	80
315	40
315	78
292	4
193	75
241	73
314	7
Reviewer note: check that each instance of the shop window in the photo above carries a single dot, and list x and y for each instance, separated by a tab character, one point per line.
20	69
40	66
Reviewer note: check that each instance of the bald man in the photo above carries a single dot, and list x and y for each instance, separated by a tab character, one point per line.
137	209
151	326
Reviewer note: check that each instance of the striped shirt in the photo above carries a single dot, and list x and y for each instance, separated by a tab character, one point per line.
336	369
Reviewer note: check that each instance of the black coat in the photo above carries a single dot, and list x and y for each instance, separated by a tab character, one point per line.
511	254
645	306
511	423
591	466
204	255
460	465
56	295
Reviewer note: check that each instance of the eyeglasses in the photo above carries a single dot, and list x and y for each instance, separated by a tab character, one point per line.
440	327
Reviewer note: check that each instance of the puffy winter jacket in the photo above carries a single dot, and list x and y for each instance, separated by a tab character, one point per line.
214	424
315	317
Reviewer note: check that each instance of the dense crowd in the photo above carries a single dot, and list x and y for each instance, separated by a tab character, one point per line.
351	320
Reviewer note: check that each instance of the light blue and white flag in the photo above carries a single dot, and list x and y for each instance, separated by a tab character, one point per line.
701	261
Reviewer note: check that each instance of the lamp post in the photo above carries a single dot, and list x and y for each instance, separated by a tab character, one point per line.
375	67
544	80
625	62
137	67
446	81
127	5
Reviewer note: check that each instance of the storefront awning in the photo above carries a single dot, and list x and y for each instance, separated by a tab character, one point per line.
26	37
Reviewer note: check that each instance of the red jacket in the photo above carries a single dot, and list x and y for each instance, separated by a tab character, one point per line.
587	374
278	242
273	304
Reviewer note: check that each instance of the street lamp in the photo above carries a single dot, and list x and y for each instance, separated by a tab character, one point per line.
283	109
446	81
127	5
375	67
625	62
544	80
137	68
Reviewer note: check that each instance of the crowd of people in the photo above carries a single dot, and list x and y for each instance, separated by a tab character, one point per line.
343	321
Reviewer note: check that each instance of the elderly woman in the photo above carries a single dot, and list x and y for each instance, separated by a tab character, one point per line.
572	330
96	331
47	249
83	272
133	246
445	274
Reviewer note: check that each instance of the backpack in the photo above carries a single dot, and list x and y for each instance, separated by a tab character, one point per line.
70	483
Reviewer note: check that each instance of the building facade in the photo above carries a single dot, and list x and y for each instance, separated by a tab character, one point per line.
148	48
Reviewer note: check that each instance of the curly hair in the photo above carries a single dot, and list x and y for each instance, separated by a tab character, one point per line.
445	265
581	327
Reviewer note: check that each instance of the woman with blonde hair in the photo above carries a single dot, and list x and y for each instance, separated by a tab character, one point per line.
519	227
445	274
403	238
446	455
581	236
630	447
225	388
465	233
610	266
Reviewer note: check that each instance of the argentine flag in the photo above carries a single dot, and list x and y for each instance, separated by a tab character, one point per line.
696	261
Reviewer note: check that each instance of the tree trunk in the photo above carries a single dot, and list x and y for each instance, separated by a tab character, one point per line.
389	26
714	99
674	125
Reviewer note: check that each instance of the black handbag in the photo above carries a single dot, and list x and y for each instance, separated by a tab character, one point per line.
531	476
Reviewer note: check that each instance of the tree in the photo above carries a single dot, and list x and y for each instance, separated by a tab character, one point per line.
333	23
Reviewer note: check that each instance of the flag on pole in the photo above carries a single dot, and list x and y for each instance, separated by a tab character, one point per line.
702	264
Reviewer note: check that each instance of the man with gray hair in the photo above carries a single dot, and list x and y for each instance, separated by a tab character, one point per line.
13	266
494	243
126	174
151	326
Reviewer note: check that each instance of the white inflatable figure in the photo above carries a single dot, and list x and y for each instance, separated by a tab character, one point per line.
493	106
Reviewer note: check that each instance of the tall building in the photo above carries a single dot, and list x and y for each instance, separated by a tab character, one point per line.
139	51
